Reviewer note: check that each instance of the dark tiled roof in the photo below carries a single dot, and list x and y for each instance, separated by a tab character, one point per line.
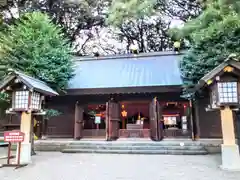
150	69
210	75
29	81
37	84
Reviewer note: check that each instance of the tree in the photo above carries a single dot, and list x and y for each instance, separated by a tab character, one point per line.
149	34
36	46
180	9
127	10
75	18
147	23
213	36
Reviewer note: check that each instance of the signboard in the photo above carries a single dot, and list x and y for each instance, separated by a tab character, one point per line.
97	120
184	119
13	136
184	126
170	120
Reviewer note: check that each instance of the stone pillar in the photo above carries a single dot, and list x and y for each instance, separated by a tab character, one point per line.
25	153
78	123
230	150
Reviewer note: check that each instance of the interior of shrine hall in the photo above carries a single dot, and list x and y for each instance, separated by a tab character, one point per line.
135	114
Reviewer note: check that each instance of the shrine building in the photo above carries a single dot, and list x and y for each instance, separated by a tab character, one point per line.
131	95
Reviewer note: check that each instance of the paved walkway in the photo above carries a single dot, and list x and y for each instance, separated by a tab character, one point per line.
49	166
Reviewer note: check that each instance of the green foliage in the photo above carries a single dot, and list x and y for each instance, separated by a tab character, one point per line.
51	113
214	35
36	46
4	97
4	103
127	10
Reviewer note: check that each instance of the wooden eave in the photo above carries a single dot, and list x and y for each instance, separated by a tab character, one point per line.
216	72
125	90
15	75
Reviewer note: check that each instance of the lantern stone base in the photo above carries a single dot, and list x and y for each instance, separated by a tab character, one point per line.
230	158
25	153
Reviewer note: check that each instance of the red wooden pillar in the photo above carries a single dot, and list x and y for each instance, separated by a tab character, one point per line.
192	121
156	126
196	120
112	120
78	123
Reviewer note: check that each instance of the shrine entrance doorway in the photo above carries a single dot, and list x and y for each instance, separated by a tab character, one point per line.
94	121
134	121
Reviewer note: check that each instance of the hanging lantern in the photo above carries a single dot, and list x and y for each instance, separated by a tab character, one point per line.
124	113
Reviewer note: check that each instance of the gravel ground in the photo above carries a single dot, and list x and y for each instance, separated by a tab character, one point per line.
58	166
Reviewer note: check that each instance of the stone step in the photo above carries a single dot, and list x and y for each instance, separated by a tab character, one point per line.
150	143
139	147
117	151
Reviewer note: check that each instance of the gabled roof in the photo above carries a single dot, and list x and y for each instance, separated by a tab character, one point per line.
29	81
215	72
142	70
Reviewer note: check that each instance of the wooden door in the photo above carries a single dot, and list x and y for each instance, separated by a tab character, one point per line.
156	126
112	120
78	124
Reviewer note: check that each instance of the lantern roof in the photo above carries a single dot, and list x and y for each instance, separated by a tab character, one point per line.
30	82
221	68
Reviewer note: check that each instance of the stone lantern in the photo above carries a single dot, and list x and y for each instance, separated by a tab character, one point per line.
24	99
224	91
222	84
27	95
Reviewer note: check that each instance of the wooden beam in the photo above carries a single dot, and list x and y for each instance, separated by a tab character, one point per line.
125	90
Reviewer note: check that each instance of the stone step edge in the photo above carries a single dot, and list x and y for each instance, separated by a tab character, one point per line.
172	152
3	144
130	144
139	147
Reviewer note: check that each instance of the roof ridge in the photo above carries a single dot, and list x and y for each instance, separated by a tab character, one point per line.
33	78
127	56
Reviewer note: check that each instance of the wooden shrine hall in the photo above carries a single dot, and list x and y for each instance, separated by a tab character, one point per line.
132	95
128	96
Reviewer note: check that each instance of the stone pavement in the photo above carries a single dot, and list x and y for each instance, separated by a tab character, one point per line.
57	166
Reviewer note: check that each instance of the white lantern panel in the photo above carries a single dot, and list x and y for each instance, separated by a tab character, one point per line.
21	100
35	100
228	92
